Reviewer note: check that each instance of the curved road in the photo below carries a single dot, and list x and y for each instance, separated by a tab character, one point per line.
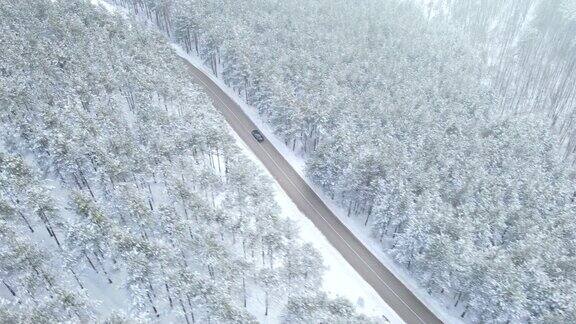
392	291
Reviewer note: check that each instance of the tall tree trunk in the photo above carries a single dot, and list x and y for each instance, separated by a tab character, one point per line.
184	311
244	291
368	215
14	292
266	303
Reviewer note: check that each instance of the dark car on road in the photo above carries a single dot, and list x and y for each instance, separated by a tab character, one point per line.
257	135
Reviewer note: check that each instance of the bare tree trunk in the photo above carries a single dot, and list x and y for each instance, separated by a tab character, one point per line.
266	303
184	311
368	216
14	292
191	308
77	279
90	262
458	299
169	296
244	291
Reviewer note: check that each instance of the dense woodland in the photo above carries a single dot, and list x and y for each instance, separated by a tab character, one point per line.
529	48
123	197
404	125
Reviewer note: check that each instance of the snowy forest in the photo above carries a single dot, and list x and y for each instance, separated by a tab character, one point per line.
445	129
529	48
123	196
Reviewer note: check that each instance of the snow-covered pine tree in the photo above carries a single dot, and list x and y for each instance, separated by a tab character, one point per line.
401	123
122	195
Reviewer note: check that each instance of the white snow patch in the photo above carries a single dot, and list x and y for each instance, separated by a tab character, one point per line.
105	5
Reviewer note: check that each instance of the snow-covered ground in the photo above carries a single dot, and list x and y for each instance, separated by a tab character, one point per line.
104	4
340	279
354	224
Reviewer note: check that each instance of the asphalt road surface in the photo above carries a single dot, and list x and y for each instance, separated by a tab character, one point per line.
392	291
